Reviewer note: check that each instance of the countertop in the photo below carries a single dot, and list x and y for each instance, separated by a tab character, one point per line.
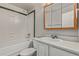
69	46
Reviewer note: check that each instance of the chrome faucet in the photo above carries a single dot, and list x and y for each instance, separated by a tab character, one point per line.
54	36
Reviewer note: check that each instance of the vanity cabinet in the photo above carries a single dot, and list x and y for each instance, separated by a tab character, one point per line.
58	52
44	49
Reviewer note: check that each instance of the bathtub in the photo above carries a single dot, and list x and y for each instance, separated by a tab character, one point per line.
14	50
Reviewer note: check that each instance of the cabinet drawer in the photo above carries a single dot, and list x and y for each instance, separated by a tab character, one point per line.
58	52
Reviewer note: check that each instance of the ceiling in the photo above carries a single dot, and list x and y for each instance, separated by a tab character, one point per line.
27	6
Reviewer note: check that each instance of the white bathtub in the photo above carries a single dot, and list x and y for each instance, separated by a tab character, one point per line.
14	50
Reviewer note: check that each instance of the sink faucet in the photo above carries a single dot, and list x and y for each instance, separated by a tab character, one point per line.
54	36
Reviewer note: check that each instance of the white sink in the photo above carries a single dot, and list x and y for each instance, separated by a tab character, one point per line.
51	39
57	40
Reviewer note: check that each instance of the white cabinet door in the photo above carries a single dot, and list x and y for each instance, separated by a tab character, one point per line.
58	52
42	49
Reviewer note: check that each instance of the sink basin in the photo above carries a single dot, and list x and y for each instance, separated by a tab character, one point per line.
51	39
56	40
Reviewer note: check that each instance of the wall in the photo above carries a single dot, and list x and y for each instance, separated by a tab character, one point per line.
64	34
13	27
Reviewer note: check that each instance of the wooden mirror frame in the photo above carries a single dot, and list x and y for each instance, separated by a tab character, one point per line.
75	20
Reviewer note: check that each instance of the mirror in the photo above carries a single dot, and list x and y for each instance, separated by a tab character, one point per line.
60	16
48	21
67	15
56	15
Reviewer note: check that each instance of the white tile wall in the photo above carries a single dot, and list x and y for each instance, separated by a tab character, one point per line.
12	28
